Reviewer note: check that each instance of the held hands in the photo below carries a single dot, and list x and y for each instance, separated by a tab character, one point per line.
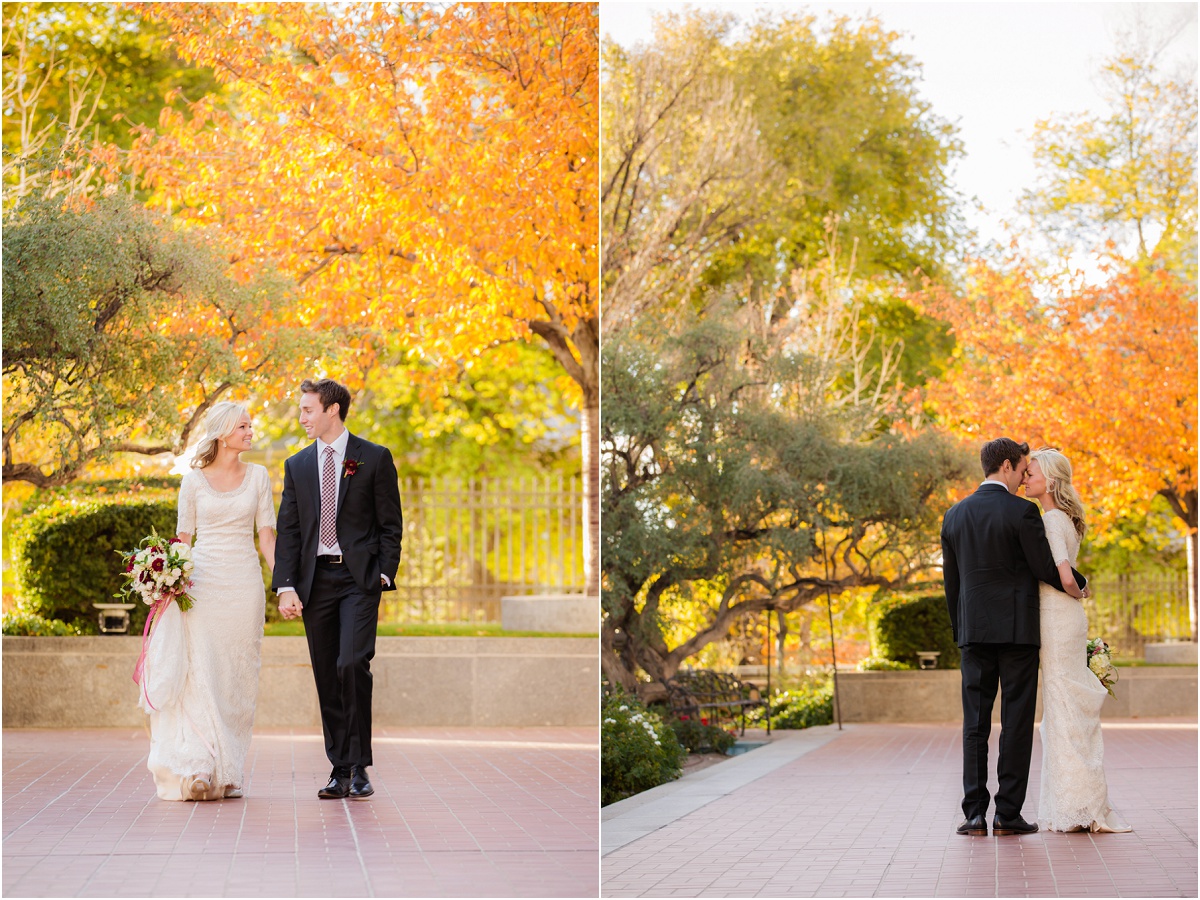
289	605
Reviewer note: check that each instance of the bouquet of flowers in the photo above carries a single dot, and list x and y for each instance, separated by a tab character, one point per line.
1100	662
158	570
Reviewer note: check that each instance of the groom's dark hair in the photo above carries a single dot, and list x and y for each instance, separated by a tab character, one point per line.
994	453
330	393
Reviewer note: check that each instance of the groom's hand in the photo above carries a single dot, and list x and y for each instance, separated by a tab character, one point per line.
289	605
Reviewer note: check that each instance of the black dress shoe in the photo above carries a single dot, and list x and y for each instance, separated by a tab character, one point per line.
976	825
338	787
1015	825
360	787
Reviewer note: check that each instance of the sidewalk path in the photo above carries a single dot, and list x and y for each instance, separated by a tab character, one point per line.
478	812
871	811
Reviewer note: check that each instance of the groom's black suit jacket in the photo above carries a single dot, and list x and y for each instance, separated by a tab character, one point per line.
369	522
994	553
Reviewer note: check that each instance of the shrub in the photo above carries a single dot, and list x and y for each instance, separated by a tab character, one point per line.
65	556
907	623
881	664
637	751
698	736
30	624
802	707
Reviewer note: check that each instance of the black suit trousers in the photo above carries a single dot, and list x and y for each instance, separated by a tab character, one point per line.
1013	668
340	620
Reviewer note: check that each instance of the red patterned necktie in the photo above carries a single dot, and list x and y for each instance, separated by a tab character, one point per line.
328	501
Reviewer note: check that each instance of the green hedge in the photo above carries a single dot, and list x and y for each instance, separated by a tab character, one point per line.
903	624
28	624
65	555
158	487
804	706
882	664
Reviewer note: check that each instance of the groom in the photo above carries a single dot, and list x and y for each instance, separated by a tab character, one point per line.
338	549
994	553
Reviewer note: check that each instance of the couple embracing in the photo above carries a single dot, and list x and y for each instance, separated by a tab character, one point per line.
337	550
1014	601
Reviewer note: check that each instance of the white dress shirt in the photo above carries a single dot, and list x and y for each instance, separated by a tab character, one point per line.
339	456
995	481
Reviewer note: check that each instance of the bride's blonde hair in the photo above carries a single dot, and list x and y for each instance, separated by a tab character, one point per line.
219	423
1057	469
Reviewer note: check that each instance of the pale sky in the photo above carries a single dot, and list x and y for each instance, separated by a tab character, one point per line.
993	69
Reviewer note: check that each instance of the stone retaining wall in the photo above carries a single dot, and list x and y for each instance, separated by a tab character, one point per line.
85	682
936	696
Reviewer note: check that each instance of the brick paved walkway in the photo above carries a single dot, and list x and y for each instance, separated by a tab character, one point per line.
871	812
481	812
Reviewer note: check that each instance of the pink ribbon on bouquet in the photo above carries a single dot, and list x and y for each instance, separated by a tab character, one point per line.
139	670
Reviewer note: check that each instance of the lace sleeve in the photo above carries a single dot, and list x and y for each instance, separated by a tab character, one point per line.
186	523
264	517
1057	538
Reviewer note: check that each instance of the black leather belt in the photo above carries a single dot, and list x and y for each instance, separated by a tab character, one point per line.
329	560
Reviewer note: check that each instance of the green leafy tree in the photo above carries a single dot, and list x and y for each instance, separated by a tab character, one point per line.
739	472
680	165
1122	183
120	332
729	161
84	73
733	163
849	139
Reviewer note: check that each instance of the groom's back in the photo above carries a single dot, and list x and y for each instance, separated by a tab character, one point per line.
991	591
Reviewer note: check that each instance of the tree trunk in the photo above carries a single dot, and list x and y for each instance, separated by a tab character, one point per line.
590	446
578	352
1191	582
782	632
1185	506
612	665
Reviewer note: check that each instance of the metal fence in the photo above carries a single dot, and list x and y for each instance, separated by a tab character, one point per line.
1129	611
467	544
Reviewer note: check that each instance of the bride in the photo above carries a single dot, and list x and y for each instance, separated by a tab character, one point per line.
201	682
1074	792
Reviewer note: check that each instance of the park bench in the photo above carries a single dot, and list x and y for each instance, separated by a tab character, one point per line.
715	696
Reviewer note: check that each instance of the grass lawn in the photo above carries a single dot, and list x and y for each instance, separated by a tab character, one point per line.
453	629
1141	664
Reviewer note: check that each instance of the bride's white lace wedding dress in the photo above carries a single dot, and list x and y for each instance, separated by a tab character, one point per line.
201	675
1074	792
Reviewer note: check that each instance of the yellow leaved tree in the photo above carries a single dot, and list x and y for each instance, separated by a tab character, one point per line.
423	171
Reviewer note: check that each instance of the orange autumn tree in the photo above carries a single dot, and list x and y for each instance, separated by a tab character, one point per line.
421	170
1107	372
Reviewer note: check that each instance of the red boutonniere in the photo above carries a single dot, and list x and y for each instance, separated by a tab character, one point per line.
350	466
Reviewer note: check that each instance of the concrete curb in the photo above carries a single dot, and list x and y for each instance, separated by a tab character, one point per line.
86	682
936	696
